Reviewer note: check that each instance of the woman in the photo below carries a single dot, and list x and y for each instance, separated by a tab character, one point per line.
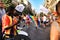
55	27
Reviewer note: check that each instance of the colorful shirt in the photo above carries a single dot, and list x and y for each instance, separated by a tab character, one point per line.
7	21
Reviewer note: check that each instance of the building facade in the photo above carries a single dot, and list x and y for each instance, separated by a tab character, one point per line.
25	2
20	1
50	4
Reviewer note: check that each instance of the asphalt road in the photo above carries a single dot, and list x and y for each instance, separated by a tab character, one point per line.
38	34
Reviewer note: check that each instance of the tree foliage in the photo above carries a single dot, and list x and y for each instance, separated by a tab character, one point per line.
7	3
27	10
41	14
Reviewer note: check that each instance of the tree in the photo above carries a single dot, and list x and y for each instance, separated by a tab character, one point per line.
41	14
7	3
27	10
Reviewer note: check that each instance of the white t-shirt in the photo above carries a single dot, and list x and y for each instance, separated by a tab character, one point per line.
44	18
39	19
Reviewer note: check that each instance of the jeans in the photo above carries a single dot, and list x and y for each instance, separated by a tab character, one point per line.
38	23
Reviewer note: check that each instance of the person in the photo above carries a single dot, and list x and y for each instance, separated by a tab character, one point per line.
39	21
55	26
8	20
35	21
2	12
21	36
27	20
44	21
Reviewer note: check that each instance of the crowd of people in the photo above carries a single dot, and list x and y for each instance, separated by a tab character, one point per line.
10	19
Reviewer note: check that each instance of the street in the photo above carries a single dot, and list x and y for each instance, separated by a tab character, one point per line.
38	34
29	19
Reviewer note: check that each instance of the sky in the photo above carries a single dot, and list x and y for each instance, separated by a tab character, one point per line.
36	4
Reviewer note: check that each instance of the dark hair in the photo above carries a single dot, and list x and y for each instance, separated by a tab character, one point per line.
10	8
57	5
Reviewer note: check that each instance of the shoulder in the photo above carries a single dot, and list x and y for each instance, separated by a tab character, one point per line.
5	16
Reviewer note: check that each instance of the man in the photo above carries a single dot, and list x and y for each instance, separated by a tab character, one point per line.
2	12
44	21
55	27
8	20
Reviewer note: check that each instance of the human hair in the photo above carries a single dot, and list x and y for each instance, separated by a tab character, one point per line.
11	8
57	5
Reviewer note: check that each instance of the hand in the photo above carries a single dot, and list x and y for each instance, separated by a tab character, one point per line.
15	20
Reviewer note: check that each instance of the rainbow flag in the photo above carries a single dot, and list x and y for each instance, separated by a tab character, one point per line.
32	18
